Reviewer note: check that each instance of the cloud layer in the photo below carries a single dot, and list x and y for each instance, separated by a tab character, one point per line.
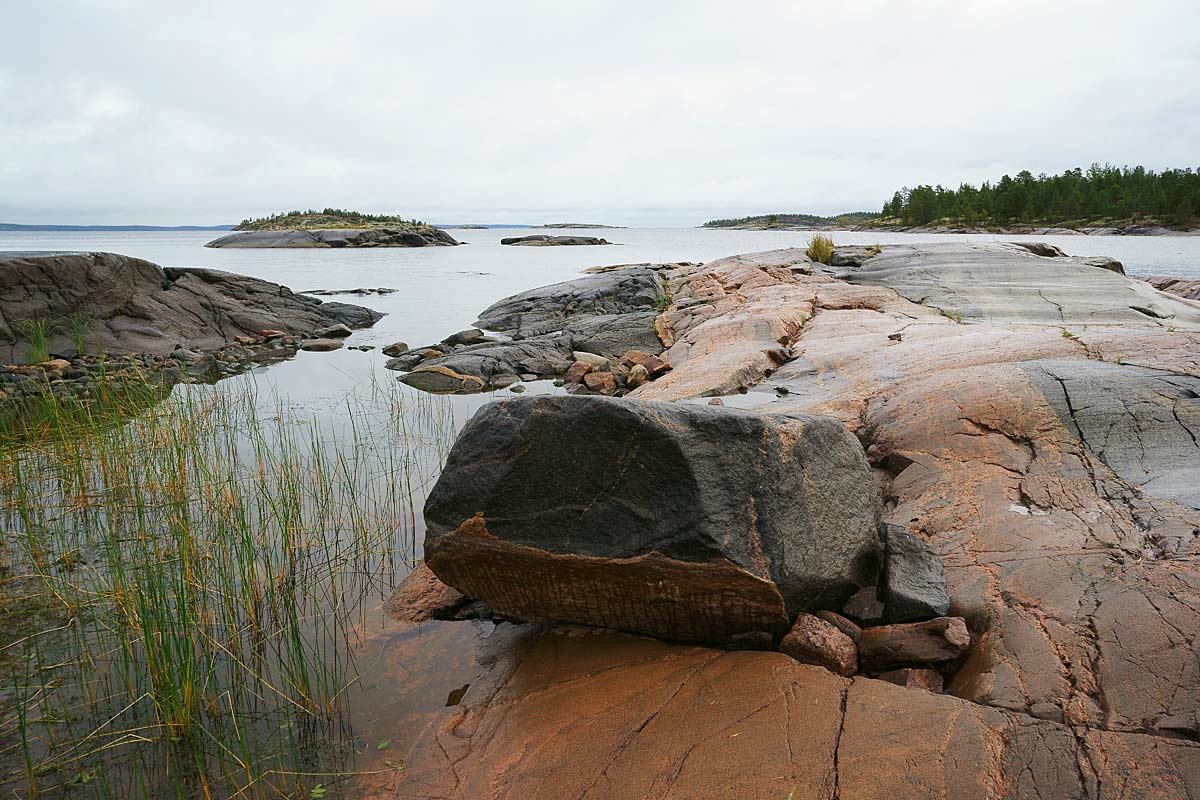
658	112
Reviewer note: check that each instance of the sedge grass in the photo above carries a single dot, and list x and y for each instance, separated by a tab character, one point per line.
185	578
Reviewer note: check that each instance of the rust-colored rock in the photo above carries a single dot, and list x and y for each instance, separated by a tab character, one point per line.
812	640
889	646
576	372
604	383
914	678
421	596
864	607
844	625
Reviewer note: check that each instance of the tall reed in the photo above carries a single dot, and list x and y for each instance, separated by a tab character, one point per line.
186	577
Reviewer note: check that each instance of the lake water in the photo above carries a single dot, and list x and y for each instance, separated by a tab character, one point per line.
442	289
405	673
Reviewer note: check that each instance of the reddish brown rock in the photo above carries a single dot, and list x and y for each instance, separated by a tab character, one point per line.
600	382
577	371
864	607
889	646
812	640
927	679
842	624
421	596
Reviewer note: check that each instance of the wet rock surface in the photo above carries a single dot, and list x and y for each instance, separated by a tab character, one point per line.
1071	552
117	304
684	522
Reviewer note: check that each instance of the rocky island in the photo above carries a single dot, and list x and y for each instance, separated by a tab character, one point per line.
121	311
334	228
949	546
542	240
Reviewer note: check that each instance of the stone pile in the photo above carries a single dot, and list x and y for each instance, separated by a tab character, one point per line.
593	374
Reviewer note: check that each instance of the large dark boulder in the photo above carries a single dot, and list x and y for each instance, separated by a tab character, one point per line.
695	523
118	304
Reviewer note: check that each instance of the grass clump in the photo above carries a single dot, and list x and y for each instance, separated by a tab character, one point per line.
37	332
820	249
181	584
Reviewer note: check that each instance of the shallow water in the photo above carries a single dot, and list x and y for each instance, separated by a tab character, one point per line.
407	672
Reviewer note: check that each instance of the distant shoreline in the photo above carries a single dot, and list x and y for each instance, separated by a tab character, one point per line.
11	226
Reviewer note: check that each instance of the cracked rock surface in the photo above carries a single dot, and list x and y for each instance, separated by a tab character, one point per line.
1028	424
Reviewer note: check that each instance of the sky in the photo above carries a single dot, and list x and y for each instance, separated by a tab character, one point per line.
649	113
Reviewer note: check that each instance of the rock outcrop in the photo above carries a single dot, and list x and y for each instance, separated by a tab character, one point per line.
607	314
1032	419
119	304
543	240
684	522
1189	289
339	237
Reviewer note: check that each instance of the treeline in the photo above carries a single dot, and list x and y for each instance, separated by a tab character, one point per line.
339	214
799	220
1075	197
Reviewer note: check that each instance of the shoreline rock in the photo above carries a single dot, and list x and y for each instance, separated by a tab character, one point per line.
544	240
338	237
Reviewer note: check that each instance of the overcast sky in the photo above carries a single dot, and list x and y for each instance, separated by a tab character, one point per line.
649	112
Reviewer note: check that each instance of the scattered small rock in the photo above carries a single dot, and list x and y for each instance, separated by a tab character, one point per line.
601	382
591	359
913	644
864	607
395	348
638	375
577	371
336	331
812	640
842	624
321	345
915	678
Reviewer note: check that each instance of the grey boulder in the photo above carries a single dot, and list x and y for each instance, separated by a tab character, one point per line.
914	582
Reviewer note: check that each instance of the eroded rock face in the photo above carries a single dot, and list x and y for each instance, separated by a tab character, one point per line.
685	522
338	237
128	305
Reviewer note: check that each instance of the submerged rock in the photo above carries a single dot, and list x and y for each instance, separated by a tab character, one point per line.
686	522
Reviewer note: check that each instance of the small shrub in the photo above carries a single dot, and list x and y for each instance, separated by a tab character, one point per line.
820	249
663	301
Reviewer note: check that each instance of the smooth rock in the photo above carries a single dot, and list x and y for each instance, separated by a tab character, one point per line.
812	640
337	331
686	522
438	379
887	647
591	359
469	336
914	583
338	237
395	349
542	240
321	345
